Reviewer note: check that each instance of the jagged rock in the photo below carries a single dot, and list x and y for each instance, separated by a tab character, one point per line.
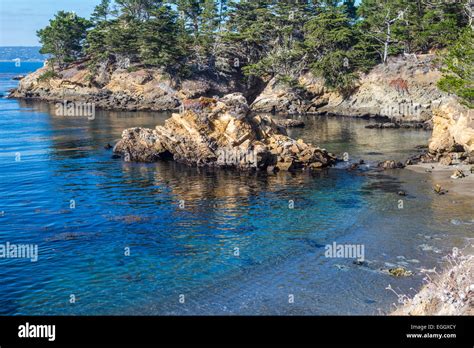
392	125
279	97
221	133
115	85
140	145
403	90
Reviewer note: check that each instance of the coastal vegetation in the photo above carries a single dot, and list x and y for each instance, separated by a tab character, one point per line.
266	39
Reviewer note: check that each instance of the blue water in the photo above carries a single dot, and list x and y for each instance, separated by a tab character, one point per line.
191	250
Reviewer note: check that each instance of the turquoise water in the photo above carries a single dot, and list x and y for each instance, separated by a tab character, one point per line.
191	250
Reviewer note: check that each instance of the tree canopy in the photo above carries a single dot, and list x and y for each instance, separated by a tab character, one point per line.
336	39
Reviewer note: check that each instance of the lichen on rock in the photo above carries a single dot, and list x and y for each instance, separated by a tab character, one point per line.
221	133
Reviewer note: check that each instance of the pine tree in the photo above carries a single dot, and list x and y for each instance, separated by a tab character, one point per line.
381	21
63	37
459	69
436	24
158	42
139	10
101	12
249	33
330	39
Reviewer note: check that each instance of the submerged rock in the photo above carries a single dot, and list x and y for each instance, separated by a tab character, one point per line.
221	133
393	125
400	272
391	165
290	123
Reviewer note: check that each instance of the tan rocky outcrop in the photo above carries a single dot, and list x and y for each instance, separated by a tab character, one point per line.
221	133
111	86
453	131
279	97
404	90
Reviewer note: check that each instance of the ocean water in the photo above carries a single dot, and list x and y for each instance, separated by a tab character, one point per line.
236	246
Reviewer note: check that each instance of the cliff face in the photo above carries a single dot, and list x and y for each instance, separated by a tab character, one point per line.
278	97
404	90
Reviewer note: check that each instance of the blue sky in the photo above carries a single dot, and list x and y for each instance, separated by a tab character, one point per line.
20	19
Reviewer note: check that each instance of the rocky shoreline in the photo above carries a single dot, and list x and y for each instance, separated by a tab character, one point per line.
403	91
400	94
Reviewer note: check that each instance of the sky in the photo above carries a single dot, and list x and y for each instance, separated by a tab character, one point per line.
20	19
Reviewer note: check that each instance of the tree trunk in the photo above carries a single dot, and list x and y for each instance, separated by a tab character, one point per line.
387	43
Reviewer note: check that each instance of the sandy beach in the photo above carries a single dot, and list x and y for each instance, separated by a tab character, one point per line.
442	175
450	292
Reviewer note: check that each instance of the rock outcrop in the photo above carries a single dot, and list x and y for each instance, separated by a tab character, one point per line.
279	97
453	133
221	133
404	90
112	86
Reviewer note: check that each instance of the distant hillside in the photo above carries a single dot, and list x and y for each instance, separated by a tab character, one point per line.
28	54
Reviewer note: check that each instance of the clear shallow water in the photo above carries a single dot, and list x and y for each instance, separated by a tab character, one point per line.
190	251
